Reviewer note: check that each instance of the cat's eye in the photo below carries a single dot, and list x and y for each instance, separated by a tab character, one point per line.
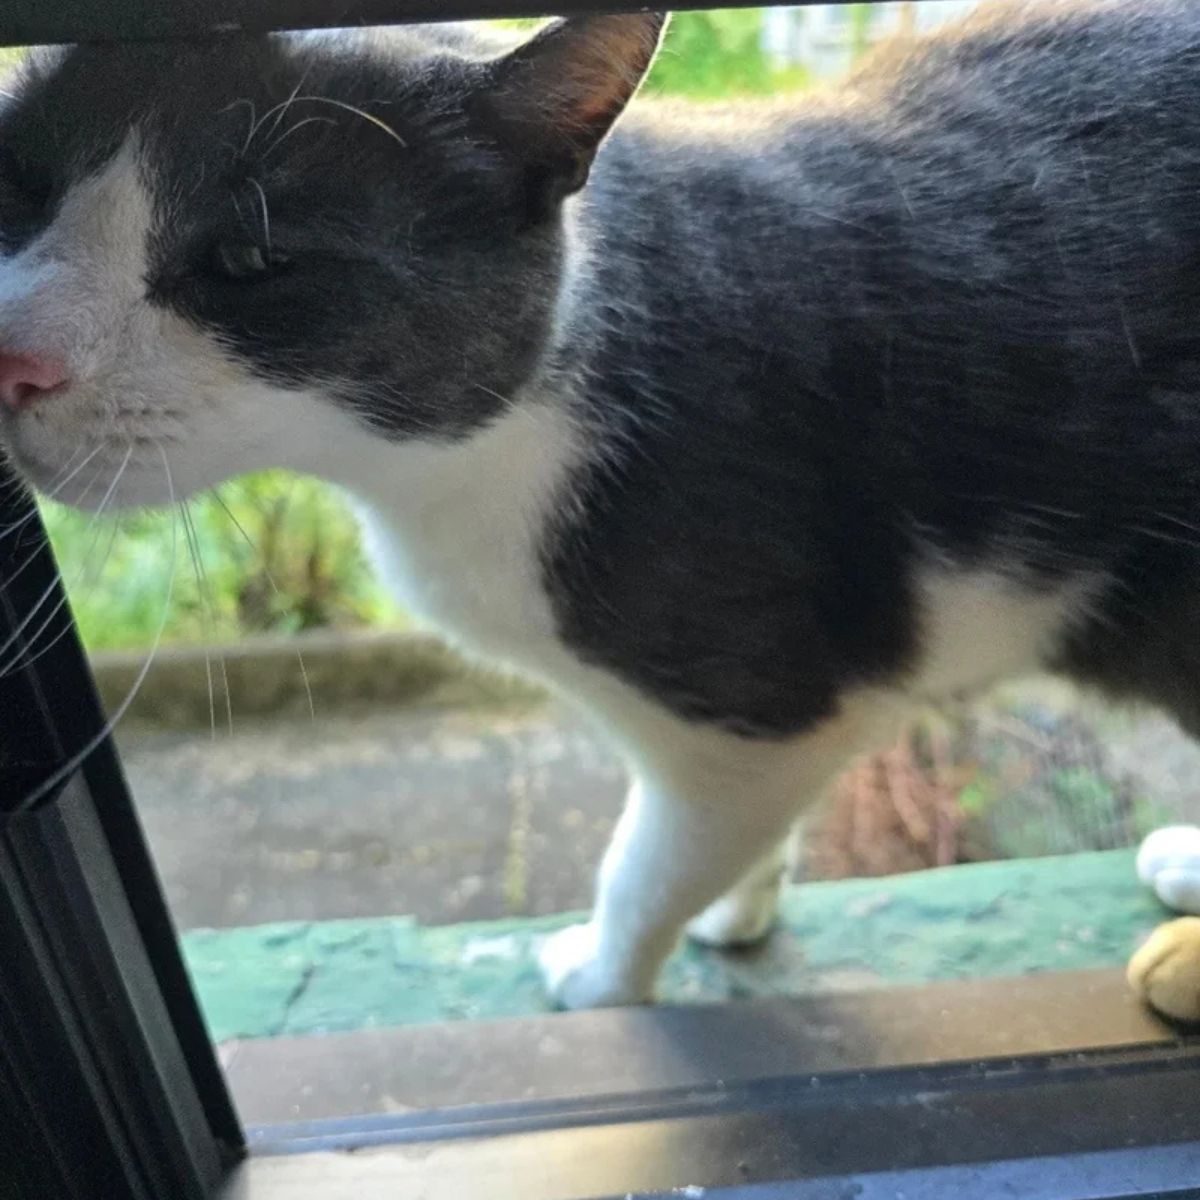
245	262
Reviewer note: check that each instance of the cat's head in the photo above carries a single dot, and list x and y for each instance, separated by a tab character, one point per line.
225	257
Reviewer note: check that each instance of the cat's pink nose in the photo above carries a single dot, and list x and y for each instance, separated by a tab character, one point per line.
24	380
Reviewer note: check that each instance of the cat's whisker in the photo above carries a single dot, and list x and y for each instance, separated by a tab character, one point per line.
24	623
283	108
67	625
358	112
253	122
54	483
33	554
54	490
216	495
1134	352
1159	535
1051	510
287	133
237	207
279	110
266	219
1174	520
505	400
30	558
17	526
69	767
206	592
189	535
89	575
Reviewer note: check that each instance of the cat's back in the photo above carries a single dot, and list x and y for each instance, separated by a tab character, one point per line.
954	301
1013	171
1109	81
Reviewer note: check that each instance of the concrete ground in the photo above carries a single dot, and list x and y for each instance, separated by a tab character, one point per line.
464	815
448	816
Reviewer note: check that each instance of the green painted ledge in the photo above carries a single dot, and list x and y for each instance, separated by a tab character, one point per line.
1005	918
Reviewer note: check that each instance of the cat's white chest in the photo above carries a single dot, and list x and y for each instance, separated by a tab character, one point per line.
456	533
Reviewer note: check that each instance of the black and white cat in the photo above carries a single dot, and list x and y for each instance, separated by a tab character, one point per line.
795	416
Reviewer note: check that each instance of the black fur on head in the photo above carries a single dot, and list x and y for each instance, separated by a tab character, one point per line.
379	214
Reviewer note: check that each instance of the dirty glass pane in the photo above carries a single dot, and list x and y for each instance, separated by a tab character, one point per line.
359	831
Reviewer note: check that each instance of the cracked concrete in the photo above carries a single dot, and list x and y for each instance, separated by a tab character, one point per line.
992	919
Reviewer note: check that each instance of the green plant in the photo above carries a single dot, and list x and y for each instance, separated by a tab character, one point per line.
276	553
710	55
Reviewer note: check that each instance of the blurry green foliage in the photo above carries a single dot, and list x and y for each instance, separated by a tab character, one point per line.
1063	810
711	55
295	563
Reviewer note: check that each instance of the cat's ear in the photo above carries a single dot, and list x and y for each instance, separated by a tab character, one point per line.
553	100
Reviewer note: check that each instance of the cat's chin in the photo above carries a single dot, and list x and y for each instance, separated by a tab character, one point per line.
108	480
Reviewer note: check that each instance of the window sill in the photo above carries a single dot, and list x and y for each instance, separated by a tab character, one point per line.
389	1174
947	1090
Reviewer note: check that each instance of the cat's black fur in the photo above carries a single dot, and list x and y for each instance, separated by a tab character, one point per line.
953	312
421	292
963	313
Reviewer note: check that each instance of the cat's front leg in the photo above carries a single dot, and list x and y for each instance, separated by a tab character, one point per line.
671	855
701	833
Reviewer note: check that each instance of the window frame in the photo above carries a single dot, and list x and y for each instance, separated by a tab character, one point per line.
92	979
109	1085
960	1085
45	22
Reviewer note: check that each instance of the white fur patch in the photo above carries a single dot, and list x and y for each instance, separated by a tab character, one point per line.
980	626
456	528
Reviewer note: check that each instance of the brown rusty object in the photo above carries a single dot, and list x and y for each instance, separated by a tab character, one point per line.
889	814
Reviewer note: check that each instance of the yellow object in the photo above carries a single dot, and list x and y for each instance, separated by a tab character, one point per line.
1165	972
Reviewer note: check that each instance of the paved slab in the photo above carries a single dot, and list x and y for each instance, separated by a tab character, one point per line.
462	815
448	816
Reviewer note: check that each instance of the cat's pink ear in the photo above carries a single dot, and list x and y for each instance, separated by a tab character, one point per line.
556	97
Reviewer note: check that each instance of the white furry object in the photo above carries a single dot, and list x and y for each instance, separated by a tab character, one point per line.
1169	862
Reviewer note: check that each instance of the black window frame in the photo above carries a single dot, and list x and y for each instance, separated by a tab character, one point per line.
109	1087
102	1042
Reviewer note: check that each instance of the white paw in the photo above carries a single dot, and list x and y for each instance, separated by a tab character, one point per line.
1165	972
1169	862
578	977
739	919
746	913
